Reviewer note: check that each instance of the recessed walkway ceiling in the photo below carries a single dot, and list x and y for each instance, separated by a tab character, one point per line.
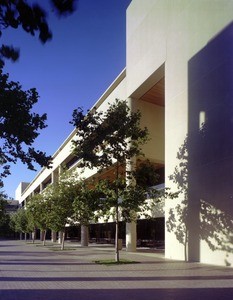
156	94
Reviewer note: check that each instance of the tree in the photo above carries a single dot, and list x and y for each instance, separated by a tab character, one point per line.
88	206
59	197
19	221
5	229
31	225
2	209
39	210
110	139
19	126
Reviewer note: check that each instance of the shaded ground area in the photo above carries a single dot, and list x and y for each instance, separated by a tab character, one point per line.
34	272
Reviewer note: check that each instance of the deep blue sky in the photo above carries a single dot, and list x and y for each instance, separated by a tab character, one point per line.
86	54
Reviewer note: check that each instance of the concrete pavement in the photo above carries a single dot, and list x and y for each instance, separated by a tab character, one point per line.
35	272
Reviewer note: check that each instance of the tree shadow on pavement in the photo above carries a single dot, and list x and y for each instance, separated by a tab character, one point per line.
121	294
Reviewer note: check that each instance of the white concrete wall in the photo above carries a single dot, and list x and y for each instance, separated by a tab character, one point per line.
172	32
21	187
145	41
192	24
153	118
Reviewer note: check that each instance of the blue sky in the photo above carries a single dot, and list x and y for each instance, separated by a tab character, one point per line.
86	54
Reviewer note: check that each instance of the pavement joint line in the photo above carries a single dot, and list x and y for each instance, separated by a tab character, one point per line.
28	272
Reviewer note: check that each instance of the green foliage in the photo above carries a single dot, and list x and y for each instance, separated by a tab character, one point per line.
2	210
106	137
19	126
146	175
104	141
131	199
108	140
5	229
38	211
60	197
53	208
19	221
110	262
87	203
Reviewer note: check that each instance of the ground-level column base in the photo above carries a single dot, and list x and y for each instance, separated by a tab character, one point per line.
131	237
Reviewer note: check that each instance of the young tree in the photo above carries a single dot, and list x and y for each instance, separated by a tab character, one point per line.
31	225
60	197
110	139
54	208
19	222
5	229
88	206
2	209
39	211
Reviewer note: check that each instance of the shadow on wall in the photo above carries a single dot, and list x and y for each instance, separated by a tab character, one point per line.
205	171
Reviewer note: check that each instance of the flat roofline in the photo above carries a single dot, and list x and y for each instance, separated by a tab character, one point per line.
107	92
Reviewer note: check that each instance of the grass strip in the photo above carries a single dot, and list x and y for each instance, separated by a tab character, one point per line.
112	262
65	249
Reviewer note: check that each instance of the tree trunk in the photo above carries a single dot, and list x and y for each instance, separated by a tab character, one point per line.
54	236
44	237
185	245
84	235
117	256
59	240
33	237
62	240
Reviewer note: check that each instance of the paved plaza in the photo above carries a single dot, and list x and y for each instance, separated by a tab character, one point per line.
35	272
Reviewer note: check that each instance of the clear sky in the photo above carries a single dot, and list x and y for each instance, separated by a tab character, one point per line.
86	54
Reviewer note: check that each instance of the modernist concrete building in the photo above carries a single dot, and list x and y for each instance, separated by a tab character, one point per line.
179	73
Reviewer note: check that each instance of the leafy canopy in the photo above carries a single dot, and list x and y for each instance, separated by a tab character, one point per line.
39	210
19	221
3	214
88	204
19	126
59	197
111	139
107	137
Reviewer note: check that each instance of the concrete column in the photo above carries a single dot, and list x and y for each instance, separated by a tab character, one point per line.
53	236
42	233
131	228
132	104
131	237
33	235
55	175
59	237
84	235
60	170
